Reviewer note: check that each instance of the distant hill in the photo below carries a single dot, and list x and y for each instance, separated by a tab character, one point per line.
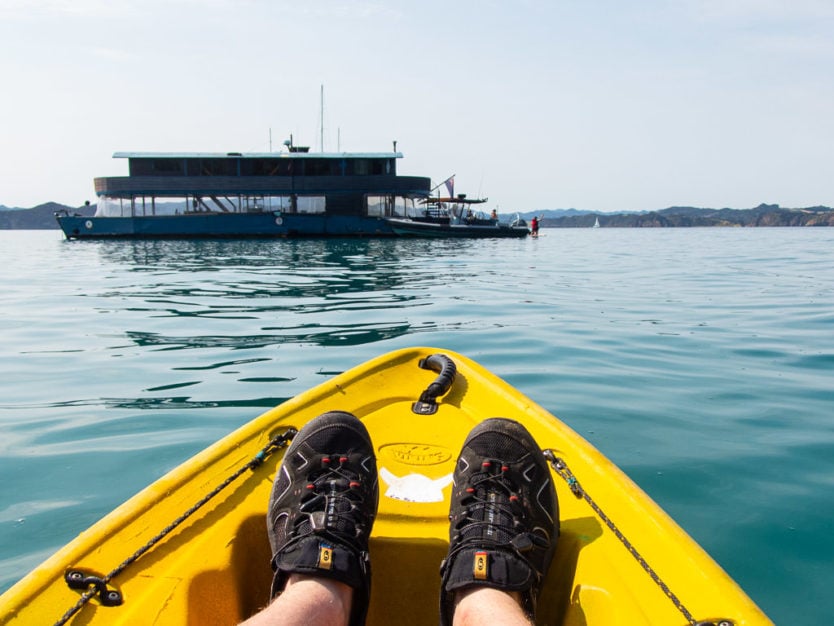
682	217
553	213
41	217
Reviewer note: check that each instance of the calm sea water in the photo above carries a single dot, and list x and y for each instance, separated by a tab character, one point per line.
699	360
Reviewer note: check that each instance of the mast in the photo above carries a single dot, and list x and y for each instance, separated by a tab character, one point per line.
322	118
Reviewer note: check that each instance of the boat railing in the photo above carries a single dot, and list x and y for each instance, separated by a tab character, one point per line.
518	221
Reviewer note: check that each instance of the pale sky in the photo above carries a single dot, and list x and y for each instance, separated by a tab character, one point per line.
595	104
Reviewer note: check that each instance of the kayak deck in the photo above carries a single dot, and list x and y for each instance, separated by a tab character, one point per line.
213	568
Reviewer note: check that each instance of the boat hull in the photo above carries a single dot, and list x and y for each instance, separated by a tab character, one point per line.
220	225
414	228
213	568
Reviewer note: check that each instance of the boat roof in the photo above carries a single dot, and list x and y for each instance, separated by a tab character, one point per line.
458	199
257	155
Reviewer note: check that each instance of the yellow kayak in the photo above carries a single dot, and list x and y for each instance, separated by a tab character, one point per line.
192	547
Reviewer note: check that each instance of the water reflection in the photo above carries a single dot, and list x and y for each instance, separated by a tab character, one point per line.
336	335
245	279
213	255
325	292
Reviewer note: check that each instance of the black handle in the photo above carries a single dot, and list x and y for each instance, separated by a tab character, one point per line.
446	370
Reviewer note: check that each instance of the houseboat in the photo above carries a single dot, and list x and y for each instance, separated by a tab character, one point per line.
292	193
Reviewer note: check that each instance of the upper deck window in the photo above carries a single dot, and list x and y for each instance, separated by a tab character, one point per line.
215	167
266	167
285	165
321	167
156	167
368	167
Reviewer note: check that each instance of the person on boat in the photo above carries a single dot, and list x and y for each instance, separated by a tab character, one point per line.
534	226
504	525
494	215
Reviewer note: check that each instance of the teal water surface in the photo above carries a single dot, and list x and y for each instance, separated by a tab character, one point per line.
699	360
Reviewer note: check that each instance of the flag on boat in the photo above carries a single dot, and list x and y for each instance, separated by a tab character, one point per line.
450	186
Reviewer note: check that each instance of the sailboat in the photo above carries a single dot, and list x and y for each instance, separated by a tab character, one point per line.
596	223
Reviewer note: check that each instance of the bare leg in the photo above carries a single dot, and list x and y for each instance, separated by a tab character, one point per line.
307	600
485	605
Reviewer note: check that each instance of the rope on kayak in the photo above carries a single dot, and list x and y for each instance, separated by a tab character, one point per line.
561	468
98	585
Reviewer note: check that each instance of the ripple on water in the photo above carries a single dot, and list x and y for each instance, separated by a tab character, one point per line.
698	360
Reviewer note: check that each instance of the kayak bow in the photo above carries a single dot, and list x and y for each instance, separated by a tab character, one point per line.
192	547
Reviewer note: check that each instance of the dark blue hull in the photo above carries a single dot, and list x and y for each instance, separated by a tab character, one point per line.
219	225
417	228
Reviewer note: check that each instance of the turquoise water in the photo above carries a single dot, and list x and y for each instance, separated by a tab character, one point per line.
699	360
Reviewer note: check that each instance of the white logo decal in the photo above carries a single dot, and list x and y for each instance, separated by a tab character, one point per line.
414	487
